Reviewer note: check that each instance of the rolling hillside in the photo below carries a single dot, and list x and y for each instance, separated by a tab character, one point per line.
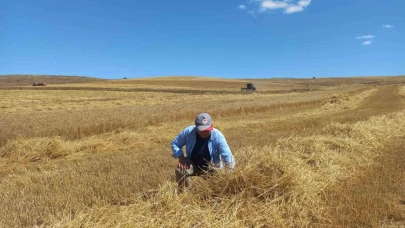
28	80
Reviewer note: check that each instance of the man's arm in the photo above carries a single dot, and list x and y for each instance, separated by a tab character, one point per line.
225	152
178	142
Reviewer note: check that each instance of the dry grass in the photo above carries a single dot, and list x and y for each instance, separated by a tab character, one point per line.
374	199
28	80
277	186
376	80
96	163
402	90
77	114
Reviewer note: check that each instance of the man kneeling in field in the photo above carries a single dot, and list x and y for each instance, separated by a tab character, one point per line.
205	147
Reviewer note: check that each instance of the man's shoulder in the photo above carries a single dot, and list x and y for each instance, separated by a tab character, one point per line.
217	133
189	129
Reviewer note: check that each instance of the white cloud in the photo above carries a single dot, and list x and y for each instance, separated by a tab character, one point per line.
269	4
294	9
304	3
242	7
368	42
388	26
289	6
365	37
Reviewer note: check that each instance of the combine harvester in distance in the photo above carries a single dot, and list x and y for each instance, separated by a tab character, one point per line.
249	87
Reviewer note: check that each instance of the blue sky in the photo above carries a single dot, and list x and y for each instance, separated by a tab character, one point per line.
216	38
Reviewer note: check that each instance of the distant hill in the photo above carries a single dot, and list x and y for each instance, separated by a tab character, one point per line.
199	81
27	80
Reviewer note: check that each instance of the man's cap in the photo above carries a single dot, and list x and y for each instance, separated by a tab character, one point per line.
203	122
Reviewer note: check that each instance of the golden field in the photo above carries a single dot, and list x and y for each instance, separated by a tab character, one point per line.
96	153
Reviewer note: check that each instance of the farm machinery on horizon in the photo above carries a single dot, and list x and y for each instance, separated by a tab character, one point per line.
249	87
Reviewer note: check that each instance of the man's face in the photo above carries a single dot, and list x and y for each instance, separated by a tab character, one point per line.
204	134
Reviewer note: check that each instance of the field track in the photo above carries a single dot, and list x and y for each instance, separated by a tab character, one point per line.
383	101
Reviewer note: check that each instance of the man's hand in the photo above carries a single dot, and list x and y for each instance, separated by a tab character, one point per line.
184	163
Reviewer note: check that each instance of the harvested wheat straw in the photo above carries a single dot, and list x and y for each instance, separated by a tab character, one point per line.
277	186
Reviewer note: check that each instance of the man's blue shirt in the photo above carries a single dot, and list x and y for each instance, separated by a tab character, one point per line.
217	145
